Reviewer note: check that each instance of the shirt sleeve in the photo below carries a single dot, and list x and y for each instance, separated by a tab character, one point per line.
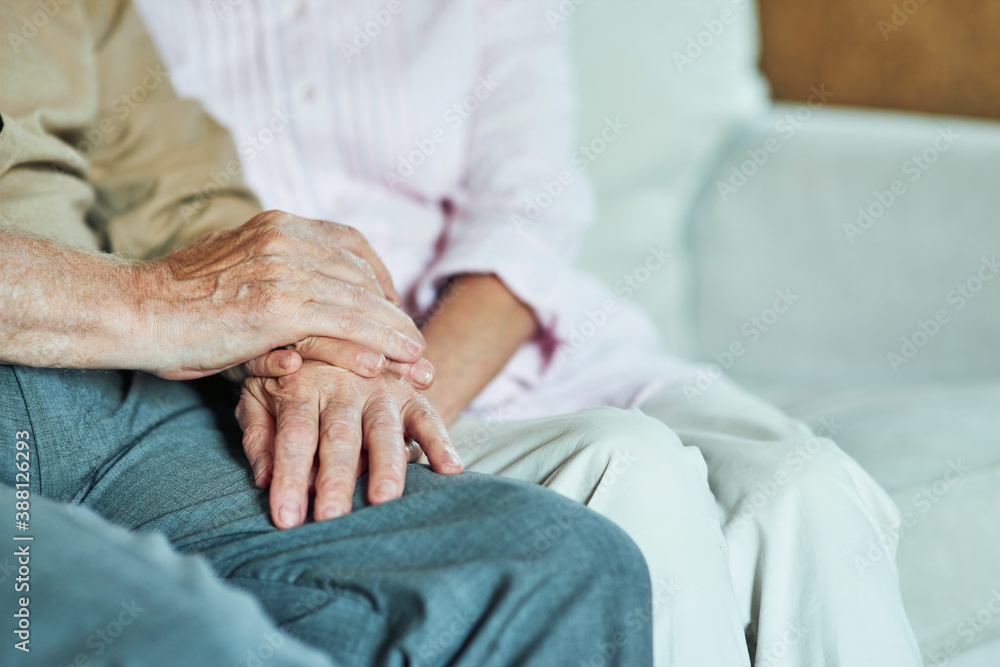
97	150
523	204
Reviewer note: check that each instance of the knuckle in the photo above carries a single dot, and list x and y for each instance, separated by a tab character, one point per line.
359	299
333	481
385	421
271	217
388	337
365	265
272	301
289	386
254	435
353	237
295	439
272	240
341	427
352	322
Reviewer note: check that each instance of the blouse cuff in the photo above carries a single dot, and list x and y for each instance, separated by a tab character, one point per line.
530	268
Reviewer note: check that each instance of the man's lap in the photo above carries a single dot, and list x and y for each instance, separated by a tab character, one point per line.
149	455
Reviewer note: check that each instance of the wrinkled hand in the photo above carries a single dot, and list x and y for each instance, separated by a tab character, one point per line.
276	280
333	415
341	353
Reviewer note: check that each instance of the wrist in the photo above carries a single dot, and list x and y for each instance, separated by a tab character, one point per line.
153	319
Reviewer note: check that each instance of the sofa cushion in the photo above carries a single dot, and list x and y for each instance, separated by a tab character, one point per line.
883	229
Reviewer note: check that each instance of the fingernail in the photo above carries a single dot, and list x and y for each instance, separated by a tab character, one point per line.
412	346
285	361
387	490
289	514
423	372
371	361
455	460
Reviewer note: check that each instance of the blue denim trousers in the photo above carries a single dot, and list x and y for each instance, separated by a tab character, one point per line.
463	570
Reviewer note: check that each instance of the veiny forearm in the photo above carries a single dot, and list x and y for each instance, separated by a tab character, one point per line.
477	325
65	308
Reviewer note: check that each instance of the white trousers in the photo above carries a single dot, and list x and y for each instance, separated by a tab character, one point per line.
755	529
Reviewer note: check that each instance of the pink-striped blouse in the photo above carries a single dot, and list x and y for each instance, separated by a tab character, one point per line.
443	130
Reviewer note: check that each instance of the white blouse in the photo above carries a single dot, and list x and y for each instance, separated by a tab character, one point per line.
443	130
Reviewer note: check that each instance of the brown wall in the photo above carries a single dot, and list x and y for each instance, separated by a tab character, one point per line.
945	57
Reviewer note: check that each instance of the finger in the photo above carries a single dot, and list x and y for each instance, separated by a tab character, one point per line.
352	297
275	363
427	428
362	464
342	264
294	450
339	458
420	374
342	354
383	433
356	242
319	239
258	436
330	321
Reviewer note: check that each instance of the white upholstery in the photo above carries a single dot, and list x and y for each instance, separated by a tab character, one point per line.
680	115
784	228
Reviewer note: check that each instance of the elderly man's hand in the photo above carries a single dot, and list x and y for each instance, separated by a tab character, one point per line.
340	353
334	416
277	280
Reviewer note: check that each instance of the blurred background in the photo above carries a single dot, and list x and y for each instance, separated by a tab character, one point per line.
944	58
842	156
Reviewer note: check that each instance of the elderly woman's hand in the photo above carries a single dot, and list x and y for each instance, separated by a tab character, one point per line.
335	416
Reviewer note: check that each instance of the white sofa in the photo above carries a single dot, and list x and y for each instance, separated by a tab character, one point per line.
894	342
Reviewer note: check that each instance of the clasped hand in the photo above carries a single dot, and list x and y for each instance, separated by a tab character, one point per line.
307	313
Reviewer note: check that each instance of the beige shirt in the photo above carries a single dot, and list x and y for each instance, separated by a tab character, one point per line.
96	150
